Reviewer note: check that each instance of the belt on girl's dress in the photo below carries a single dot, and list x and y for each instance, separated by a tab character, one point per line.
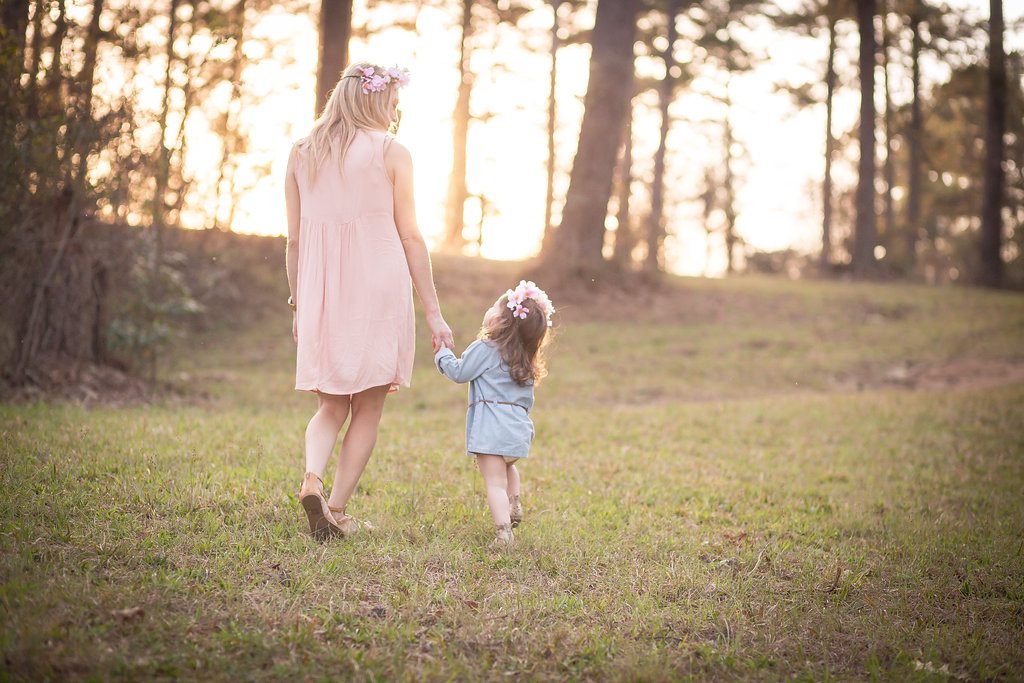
504	403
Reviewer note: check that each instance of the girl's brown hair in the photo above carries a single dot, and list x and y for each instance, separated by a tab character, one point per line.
520	341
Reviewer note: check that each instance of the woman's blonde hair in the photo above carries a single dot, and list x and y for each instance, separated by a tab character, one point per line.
520	341
348	109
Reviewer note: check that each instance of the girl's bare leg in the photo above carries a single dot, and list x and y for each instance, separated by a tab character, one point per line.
512	474
322	430
495	474
356	447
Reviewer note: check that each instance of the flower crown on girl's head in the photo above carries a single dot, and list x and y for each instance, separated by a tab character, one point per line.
375	80
528	290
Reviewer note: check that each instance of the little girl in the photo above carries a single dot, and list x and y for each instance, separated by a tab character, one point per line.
502	367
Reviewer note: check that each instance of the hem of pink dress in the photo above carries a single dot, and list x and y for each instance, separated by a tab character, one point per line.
313	388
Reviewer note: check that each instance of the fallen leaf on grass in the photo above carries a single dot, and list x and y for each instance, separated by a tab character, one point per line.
128	614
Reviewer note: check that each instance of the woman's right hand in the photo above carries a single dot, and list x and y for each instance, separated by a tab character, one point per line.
440	333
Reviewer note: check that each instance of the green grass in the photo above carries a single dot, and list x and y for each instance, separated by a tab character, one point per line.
707	497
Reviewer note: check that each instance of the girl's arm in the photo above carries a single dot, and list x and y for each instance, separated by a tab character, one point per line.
475	360
291	249
399	166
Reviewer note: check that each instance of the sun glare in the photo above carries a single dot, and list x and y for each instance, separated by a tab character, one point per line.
777	153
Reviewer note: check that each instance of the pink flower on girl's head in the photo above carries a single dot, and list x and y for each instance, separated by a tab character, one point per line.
367	71
529	290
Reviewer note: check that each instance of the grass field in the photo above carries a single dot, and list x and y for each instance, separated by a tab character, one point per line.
747	478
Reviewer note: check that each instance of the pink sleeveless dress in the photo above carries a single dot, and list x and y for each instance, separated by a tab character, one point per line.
354	309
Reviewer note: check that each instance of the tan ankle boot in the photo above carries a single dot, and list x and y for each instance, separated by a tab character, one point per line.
311	496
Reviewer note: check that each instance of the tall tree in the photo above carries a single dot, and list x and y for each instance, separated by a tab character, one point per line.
335	30
729	187
654	260
830	148
577	245
866	231
474	13
814	18
625	237
991	238
457	191
888	167
915	133
549	193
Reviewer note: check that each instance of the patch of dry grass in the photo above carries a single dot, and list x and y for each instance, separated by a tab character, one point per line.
704	499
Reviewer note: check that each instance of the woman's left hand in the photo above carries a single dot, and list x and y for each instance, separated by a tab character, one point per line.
295	327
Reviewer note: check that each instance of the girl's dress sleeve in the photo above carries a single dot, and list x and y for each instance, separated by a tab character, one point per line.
474	362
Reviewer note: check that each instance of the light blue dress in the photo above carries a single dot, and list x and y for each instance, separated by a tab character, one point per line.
491	427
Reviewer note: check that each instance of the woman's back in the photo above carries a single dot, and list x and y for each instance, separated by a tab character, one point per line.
354	297
363	188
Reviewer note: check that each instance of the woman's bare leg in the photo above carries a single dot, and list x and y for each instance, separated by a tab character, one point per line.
493	469
356	447
322	430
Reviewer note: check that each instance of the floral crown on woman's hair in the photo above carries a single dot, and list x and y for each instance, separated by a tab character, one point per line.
375	80
528	290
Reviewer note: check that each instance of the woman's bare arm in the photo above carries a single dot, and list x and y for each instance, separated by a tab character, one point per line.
291	250
399	167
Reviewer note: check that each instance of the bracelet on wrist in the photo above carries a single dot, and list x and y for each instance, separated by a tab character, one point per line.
291	302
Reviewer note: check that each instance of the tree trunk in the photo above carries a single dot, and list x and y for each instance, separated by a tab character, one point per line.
164	160
335	30
457	190
729	185
830	144
654	260
914	139
991	238
625	240
54	78
87	76
549	196
578	243
35	63
866	233
889	237
228	162
708	201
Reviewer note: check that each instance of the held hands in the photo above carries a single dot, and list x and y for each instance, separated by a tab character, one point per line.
440	333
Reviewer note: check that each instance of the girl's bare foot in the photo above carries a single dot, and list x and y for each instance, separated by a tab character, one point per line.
515	510
503	537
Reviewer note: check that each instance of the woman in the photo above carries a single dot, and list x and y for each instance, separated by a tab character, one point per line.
353	245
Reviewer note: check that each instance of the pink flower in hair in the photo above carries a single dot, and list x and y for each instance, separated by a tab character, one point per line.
529	290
